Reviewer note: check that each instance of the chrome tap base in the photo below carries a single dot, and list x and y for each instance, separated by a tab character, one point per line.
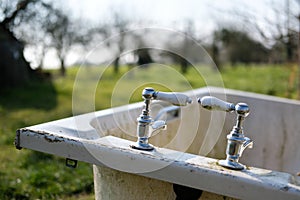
141	146
231	165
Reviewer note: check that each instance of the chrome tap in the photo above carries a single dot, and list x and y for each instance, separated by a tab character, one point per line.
146	126
236	140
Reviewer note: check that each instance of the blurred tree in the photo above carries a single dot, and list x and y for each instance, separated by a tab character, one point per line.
114	33
119	26
189	31
237	47
64	34
215	50
142	52
184	46
279	30
46	27
15	70
40	26
31	32
144	57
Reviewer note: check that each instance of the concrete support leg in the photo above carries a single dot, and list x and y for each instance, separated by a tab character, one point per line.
115	185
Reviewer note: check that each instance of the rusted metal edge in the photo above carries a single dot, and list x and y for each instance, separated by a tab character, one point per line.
17	139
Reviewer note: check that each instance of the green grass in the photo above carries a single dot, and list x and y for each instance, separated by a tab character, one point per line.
27	174
271	80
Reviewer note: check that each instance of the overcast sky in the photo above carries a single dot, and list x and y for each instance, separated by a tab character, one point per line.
207	15
166	12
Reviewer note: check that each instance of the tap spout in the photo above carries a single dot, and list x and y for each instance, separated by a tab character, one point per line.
248	143
157	126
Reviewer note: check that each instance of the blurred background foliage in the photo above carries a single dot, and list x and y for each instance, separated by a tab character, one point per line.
257	55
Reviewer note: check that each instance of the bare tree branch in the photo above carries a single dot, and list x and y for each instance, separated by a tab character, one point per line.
20	6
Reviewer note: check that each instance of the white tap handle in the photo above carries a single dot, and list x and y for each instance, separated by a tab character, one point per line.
213	103
174	98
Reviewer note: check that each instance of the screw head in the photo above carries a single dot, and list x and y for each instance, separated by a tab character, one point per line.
242	109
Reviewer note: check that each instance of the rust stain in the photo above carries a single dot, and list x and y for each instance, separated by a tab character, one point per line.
34	131
49	137
285	188
53	139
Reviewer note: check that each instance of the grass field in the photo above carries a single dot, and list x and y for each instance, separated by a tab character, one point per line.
27	174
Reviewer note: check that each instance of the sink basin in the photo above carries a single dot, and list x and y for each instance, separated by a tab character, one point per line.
188	151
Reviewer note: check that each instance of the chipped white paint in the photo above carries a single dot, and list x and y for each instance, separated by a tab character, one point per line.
273	125
181	168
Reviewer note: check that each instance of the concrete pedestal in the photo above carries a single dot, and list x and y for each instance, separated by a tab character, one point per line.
115	185
111	184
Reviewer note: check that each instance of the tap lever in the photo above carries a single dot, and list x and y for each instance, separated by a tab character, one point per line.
175	98
213	103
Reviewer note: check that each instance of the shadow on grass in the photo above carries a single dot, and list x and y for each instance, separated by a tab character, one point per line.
36	94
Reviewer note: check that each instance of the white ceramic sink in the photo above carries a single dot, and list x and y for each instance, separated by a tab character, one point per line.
187	152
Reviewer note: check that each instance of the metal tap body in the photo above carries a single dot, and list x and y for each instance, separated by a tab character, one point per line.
236	140
144	122
146	126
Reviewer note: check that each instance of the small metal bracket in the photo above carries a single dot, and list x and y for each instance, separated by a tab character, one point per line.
71	163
